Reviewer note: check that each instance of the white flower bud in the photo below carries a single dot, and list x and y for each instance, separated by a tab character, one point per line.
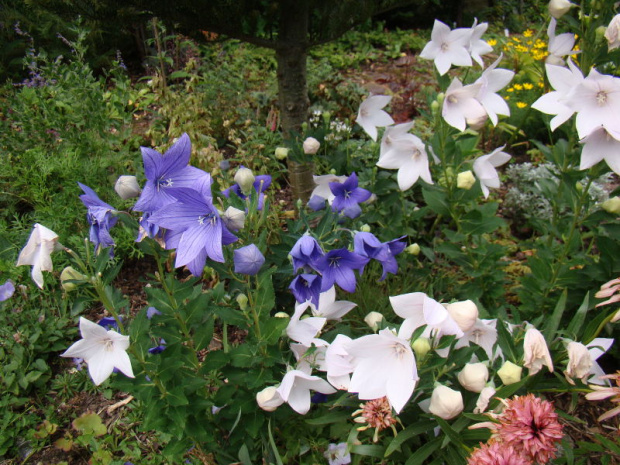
281	315
474	376
373	319
234	218
413	249
127	187
465	180
311	146
421	346
245	179
612	205
446	403
70	274
558	8
242	300
510	373
269	399
281	153
464	313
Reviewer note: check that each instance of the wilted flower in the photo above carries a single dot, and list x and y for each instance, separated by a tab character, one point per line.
448	47
465	180
483	399
531	426
269	399
7	290
377	414
474	376
102	350
370	115
612	33
248	260
37	252
536	352
609	291
127	187
311	146
510	373
100	216
337	454
484	168
446	403
496	453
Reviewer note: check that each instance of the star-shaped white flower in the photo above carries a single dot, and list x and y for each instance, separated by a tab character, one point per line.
329	308
477	46
599	145
563	81
383	366
484	334
41	243
407	155
304	331
370	115
493	80
102	350
558	46
393	135
484	169
295	389
460	106
448	47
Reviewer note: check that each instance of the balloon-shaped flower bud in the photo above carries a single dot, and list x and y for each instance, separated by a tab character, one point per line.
242	300
311	146
233	218
70	274
464	313
612	205
413	249
245	180
269	399
558	8
281	153
474	376
465	180
421	346
127	187
248	260
446	403
373	319
510	373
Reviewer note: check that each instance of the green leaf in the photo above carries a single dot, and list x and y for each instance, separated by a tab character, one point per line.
329	418
265	298
369	450
449	432
273	445
422	453
436	201
576	323
244	455
408	433
89	423
552	323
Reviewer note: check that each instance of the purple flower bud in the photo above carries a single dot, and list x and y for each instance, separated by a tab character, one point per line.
248	260
151	312
7	290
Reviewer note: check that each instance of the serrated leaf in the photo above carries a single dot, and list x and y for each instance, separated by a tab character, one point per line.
89	423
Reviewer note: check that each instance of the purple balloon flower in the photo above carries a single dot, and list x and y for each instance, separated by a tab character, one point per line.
306	252
168	172
348	196
158	349
261	183
337	267
108	323
248	260
99	216
195	229
306	287
7	290
367	245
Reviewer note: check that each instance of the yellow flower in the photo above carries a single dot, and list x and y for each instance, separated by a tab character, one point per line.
518	87
541	84
528	86
510	89
517	40
506	98
492	42
528	33
521	104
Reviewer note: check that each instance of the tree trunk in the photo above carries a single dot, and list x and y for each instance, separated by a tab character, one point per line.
291	55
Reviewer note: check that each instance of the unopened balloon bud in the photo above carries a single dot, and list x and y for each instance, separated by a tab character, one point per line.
245	180
421	346
269	399
242	301
413	249
281	153
365	228
510	373
612	205
70	274
311	146
373	319
446	403
465	180
474	376
127	187
465	314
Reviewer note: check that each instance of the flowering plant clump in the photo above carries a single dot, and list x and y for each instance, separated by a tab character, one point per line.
396	310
